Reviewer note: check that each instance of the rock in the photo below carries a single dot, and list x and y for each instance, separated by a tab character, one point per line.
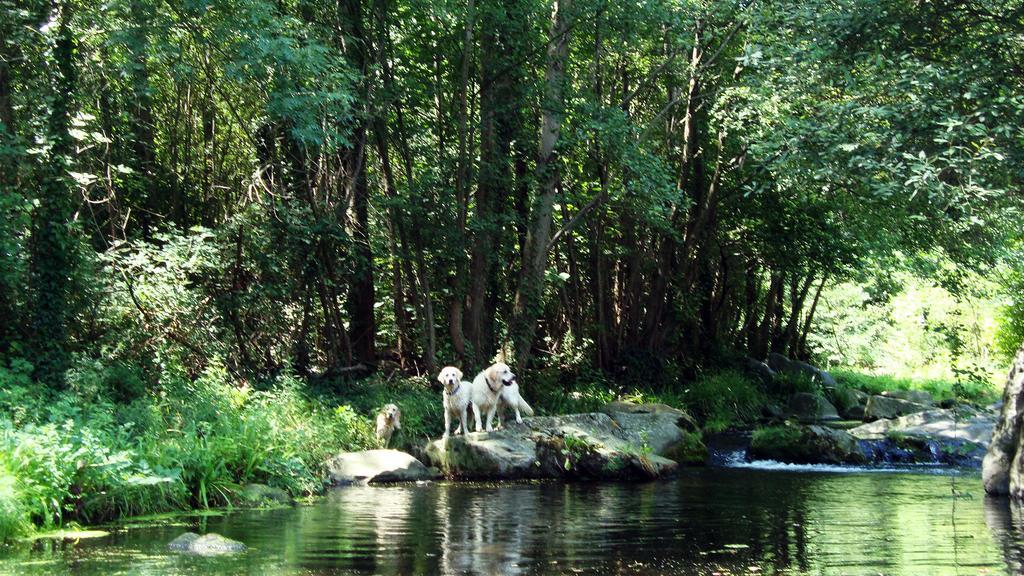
661	423
780	363
759	371
376	466
853	413
571	446
849	402
810	408
777	362
262	495
933	436
828	380
806	445
205	545
915	396
934	423
1001	472
885	407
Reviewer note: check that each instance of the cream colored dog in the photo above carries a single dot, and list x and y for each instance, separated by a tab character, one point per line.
511	398
493	386
456	397
389	419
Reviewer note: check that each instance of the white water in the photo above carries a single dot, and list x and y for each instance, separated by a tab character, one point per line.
738	459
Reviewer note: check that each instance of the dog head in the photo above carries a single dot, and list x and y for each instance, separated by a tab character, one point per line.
501	373
450	377
393	415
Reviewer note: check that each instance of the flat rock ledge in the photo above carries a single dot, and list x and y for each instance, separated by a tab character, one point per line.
376	466
625	443
205	545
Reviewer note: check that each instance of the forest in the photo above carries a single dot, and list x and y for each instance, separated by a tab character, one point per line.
233	229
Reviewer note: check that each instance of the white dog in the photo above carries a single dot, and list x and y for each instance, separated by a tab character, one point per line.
456	399
389	419
493	386
511	398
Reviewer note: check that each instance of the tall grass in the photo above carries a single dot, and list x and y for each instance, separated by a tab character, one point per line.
973	390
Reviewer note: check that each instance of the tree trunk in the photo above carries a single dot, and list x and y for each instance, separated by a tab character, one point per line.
500	98
52	244
529	295
361	297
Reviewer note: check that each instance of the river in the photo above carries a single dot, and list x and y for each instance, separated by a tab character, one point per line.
760	519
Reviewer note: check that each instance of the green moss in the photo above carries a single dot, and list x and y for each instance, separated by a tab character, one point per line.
689	451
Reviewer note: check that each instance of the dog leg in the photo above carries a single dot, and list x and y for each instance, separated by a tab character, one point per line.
476	416
490	417
463	421
519	419
447	421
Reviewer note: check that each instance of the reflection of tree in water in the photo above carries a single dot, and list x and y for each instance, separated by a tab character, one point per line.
1005	520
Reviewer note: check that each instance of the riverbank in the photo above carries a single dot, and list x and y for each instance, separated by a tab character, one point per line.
110	446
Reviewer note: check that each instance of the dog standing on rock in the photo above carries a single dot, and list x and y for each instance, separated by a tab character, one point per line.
492	386
456	399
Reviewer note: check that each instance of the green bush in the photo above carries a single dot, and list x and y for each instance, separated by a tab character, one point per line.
724	399
81	456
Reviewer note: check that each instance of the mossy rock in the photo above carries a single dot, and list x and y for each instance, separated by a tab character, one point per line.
690	451
806	445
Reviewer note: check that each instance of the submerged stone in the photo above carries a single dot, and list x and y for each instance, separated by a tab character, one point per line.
205	545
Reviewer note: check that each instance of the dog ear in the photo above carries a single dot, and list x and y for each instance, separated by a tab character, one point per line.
398	419
440	376
491	373
459	374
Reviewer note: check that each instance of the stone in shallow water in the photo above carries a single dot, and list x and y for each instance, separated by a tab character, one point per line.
806	445
376	466
205	545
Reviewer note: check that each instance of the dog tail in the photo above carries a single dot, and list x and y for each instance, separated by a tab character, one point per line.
525	408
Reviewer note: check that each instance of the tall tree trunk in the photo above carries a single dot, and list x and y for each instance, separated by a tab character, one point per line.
529	295
52	248
362	324
801	348
10	230
500	98
456	281
759	349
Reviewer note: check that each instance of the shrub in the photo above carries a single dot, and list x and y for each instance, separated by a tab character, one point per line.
725	399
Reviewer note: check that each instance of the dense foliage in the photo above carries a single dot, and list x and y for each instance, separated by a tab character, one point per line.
216	215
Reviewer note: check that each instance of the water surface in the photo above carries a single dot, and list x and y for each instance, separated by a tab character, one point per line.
709	521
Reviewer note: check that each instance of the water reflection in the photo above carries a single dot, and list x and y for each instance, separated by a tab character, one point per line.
715	520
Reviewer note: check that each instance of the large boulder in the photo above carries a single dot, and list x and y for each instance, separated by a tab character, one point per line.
759	371
376	466
780	363
811	408
879	407
933	436
777	362
1002	471
806	445
915	396
572	446
850	402
205	545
